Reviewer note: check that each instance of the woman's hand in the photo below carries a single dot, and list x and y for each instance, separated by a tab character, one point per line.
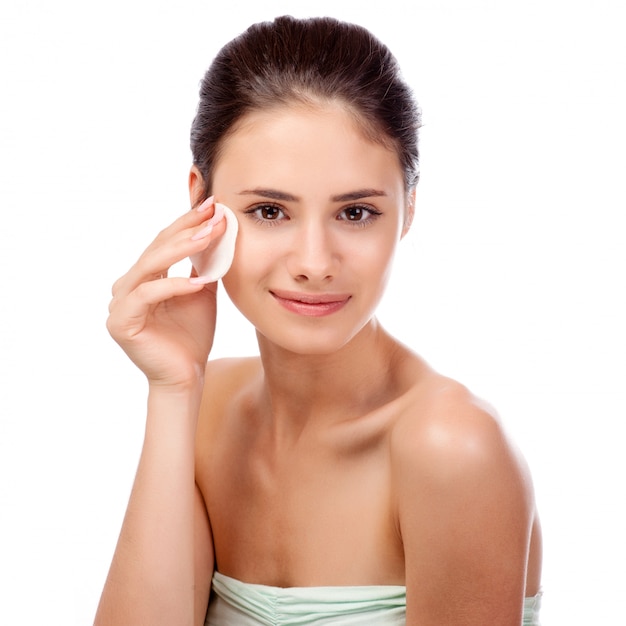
166	325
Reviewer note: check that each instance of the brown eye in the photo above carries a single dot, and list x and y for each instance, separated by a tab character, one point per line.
361	215
354	213
269	212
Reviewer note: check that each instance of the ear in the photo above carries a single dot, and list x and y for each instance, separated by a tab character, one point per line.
409	212
196	186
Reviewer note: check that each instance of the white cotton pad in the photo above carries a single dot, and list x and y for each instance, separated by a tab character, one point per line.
216	260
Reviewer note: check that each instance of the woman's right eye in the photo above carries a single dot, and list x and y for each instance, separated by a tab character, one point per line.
266	213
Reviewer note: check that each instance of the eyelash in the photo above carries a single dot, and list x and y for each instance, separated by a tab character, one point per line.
370	213
254	211
373	214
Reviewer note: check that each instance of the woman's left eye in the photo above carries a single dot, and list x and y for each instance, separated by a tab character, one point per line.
266	213
358	214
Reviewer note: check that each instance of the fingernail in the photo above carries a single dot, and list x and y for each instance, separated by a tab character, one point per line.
218	214
203	233
206	204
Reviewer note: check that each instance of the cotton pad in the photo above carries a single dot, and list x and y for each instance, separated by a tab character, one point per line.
216	260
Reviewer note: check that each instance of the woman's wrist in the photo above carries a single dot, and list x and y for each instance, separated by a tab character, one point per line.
192	382
175	402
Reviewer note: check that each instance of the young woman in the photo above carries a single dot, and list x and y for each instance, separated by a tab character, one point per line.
336	478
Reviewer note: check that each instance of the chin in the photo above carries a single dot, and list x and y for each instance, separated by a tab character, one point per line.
311	342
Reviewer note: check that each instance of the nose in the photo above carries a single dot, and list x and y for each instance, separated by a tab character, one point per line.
313	256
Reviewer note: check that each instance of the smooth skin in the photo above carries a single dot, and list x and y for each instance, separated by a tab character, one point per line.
337	457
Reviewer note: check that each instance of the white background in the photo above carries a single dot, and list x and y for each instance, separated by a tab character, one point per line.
512	278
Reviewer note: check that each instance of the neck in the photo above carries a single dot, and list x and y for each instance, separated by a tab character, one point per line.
329	388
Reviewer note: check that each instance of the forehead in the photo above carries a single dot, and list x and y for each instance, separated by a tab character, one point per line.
305	149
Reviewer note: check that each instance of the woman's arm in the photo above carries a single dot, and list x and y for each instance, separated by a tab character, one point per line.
465	511
162	566
163	561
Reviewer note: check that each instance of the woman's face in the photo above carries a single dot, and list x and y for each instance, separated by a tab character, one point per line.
320	210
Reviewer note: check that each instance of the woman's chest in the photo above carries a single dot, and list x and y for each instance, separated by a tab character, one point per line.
314	515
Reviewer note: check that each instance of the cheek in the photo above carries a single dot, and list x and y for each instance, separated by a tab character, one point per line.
251	260
245	251
259	256
380	269
375	257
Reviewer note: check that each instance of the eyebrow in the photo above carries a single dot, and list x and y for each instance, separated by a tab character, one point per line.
274	194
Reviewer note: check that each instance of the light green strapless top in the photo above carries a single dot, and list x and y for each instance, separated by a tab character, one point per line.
234	603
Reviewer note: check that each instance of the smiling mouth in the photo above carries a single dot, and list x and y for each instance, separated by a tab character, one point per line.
311	305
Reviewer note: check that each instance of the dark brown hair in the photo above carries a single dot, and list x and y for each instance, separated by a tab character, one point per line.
306	60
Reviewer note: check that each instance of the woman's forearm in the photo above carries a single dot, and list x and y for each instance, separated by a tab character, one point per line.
151	579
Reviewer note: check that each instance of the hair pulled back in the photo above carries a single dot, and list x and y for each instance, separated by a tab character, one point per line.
306	60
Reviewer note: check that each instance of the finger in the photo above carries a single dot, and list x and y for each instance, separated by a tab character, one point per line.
165	251
117	293
205	211
156	262
129	316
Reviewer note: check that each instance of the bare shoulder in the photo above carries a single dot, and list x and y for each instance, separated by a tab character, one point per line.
464	505
230	372
227	385
225	380
445	433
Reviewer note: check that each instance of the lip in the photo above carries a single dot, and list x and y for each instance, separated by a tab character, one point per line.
311	305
